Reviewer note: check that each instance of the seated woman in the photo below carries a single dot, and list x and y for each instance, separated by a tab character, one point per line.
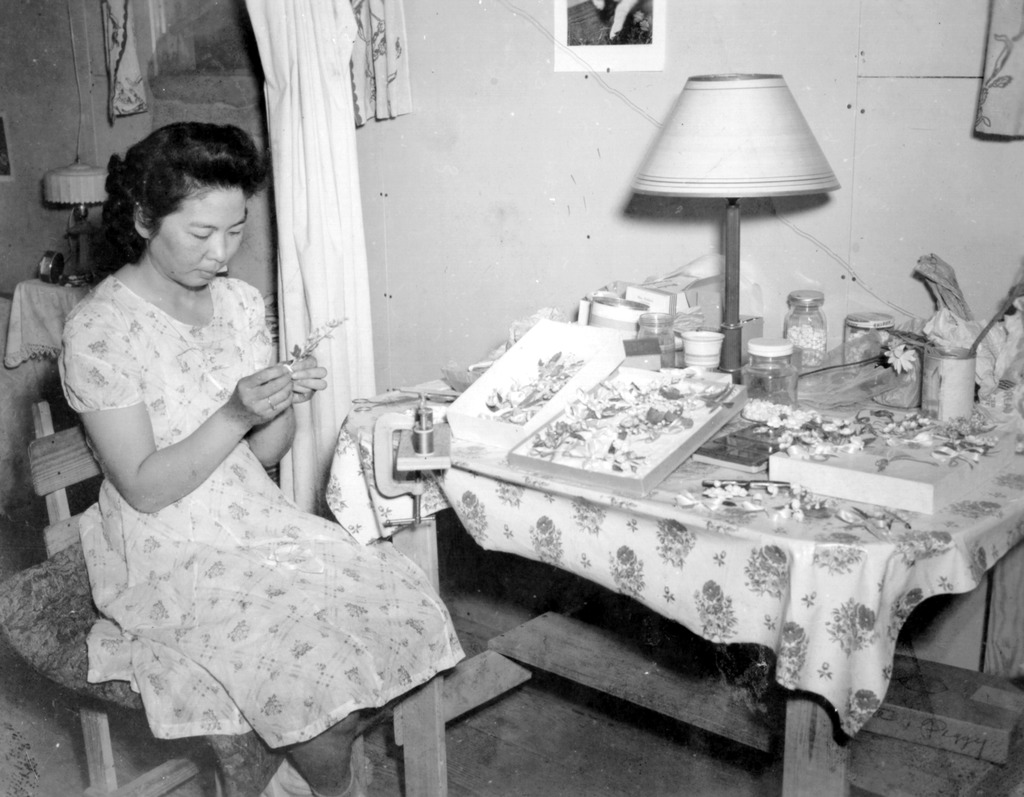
227	607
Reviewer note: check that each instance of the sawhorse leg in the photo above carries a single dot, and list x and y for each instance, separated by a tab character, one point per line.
814	763
419	718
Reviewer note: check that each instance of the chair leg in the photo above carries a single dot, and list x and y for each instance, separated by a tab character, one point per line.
419	724
359	763
99	752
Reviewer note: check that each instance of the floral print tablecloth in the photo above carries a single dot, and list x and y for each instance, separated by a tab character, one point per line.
828	598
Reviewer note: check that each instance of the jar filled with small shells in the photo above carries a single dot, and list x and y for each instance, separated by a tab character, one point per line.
805	325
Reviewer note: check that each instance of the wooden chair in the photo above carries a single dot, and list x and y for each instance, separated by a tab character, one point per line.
58	460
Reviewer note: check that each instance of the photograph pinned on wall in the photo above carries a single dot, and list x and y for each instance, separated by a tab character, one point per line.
6	170
609	35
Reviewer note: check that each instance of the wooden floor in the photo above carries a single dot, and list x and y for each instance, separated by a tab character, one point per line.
547	737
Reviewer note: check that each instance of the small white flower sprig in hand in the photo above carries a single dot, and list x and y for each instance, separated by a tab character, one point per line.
805	434
518	403
315	338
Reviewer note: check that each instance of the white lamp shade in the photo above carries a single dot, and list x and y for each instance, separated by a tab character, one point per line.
734	136
77	184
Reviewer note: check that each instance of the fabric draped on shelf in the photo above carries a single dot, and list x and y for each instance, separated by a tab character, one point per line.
127	93
380	64
1001	103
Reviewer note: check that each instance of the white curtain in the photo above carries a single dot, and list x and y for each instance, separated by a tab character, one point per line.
305	48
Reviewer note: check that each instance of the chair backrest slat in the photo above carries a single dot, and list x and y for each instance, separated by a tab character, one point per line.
59	460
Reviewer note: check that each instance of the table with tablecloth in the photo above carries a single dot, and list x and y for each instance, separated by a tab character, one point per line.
31	322
827	597
36	323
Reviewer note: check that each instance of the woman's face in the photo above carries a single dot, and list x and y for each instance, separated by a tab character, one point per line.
195	242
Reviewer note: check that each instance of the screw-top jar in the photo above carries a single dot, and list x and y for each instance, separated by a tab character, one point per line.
806	326
864	334
659	325
770	373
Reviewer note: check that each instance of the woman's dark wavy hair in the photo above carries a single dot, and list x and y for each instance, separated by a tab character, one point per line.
171	164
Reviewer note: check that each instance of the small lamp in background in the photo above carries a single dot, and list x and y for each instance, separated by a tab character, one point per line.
729	137
78	185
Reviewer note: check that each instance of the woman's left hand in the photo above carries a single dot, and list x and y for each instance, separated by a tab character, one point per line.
307	378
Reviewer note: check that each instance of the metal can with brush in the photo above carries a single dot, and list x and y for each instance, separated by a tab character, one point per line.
947	388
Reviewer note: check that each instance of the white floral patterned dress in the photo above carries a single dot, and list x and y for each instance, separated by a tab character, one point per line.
232	609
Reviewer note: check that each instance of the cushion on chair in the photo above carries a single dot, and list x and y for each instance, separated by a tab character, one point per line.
46	612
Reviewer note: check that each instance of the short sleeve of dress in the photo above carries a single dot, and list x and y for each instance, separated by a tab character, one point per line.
98	368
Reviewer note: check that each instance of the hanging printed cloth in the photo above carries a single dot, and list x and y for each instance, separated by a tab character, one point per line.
380	64
1001	104
126	95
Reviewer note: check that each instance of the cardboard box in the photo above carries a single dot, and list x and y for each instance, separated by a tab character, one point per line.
599	351
642	353
658	301
657	457
911	479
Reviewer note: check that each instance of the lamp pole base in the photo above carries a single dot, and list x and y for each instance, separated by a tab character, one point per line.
732	345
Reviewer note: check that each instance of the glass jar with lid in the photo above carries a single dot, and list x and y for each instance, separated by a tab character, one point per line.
770	373
806	326
864	335
659	326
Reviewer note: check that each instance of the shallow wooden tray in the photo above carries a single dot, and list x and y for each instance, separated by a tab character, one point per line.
600	350
661	456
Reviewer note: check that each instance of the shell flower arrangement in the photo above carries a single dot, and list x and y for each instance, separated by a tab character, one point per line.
961	440
782	504
520	402
805	434
965	440
779	503
610	426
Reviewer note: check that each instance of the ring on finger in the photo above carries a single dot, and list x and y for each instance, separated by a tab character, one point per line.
273	407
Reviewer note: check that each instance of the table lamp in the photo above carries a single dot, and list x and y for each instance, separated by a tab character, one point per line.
77	184
729	137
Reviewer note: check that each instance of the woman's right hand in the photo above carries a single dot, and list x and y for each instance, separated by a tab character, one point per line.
262	396
150	478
